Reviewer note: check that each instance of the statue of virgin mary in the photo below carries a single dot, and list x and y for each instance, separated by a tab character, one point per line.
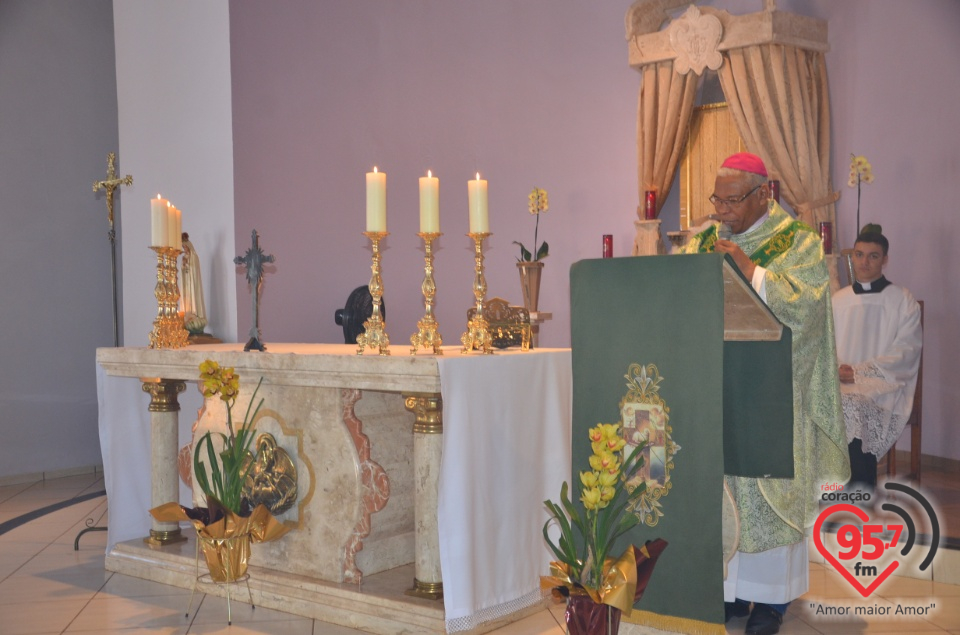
191	286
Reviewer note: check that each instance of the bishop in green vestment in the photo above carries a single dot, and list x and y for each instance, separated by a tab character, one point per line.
783	260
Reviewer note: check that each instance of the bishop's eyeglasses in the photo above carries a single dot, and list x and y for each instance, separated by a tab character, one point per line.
731	202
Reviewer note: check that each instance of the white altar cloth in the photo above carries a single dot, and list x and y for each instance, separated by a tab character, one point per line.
506	448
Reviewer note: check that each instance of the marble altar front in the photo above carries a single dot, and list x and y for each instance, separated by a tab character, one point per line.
395	456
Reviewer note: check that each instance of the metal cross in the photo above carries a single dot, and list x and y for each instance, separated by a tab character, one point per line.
253	261
110	184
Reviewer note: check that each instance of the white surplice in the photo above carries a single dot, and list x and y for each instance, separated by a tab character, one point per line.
879	335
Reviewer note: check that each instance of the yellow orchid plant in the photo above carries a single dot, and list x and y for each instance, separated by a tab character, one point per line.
586	538
860	172
537	204
230	466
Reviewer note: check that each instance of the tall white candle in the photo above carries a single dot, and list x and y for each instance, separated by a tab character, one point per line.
376	201
429	204
479	216
158	222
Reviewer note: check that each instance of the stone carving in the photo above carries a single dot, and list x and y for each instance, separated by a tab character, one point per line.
695	37
647	16
376	485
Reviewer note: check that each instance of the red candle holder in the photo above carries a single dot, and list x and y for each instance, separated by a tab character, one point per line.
608	245
650	205
774	190
826	236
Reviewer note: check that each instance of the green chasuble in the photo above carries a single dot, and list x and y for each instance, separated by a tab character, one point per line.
774	511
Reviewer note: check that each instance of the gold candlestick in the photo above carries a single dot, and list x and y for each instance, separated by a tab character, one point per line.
478	335
375	334
168	331
427	335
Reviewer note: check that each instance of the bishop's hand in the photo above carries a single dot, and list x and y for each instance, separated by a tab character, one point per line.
743	262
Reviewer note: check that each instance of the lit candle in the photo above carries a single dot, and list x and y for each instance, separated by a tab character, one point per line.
158	222
376	201
429	204
477	195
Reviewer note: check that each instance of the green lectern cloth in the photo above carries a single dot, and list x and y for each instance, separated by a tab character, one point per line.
668	312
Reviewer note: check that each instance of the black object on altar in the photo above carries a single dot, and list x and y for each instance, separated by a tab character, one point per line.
358	310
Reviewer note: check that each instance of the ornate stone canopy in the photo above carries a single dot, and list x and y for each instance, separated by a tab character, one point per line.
692	40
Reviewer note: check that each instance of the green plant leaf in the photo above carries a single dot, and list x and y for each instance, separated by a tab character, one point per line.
199	471
544	250
525	254
566	552
556	550
246	417
571	510
561	519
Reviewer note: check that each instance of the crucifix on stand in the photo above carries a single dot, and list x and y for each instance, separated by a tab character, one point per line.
253	261
111	183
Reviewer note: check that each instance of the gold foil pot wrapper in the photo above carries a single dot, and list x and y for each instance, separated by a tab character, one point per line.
226	543
227	558
619	587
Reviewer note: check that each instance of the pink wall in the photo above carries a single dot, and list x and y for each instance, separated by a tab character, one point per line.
533	93
538	93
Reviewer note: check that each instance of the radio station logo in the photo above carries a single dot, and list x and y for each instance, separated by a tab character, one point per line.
860	546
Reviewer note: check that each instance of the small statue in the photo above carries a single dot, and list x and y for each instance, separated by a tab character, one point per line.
191	285
254	261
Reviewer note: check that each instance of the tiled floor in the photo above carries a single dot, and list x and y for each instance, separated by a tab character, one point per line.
46	587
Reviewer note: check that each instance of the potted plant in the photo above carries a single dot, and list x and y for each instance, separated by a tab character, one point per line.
530	263
227	525
599	587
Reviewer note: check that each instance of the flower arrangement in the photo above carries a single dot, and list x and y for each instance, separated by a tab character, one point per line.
228	474
860	172
226	526
538	204
584	564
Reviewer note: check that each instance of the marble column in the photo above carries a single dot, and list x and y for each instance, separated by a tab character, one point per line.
164	430
648	241
427	452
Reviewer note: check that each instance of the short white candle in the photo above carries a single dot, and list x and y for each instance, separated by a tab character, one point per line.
479	216
158	222
429	204
376	201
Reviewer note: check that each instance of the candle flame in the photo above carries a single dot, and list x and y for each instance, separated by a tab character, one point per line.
374	169
429	174
478	176
158	196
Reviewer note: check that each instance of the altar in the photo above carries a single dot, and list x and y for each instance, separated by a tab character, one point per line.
421	479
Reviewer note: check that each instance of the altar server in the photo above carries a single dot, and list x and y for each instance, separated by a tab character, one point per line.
878	347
